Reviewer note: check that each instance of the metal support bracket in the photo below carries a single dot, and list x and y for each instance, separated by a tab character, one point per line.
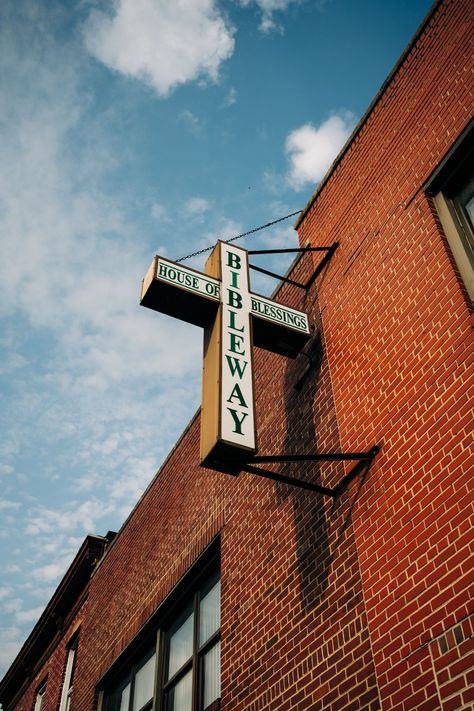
363	459
329	253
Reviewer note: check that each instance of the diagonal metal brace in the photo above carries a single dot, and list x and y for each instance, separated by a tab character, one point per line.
287	480
329	253
300	250
277	276
364	460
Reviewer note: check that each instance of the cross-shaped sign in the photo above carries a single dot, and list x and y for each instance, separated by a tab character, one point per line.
233	319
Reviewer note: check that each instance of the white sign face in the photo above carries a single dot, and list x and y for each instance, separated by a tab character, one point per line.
236	391
188	279
278	313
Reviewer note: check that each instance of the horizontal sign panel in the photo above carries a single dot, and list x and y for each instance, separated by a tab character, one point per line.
195	296
278	314
180	292
187	279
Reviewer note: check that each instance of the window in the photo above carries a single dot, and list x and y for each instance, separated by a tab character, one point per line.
191	654
39	697
175	665
135	691
69	674
452	189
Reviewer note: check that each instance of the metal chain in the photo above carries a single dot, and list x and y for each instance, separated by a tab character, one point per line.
244	234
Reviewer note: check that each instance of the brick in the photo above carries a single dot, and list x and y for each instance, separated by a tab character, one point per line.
452	704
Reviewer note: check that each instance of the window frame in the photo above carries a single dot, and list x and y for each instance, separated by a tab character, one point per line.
444	187
111	703
39	695
70	669
195	661
153	637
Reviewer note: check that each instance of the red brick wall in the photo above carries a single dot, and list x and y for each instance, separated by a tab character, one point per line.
400	346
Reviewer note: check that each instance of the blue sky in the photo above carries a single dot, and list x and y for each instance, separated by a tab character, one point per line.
131	128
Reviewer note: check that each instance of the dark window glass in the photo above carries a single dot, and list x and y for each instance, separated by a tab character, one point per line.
180	642
135	690
179	696
40	697
186	670
461	198
192	652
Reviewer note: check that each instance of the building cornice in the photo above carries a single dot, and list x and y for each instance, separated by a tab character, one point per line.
66	601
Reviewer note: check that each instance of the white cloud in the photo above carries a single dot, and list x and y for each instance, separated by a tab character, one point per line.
48	573
61	551
45	593
159	212
11	642
274	182
230	98
9	505
281	236
5	592
76	516
12	605
191	121
311	150
162	43
12	361
224	228
268	8
197	206
12	568
131	484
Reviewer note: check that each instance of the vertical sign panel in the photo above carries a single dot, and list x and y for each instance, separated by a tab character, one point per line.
210	408
237	401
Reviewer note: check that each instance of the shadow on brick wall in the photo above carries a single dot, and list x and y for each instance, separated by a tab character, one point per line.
303	387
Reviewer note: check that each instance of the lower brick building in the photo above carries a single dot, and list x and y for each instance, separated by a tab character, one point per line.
241	593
